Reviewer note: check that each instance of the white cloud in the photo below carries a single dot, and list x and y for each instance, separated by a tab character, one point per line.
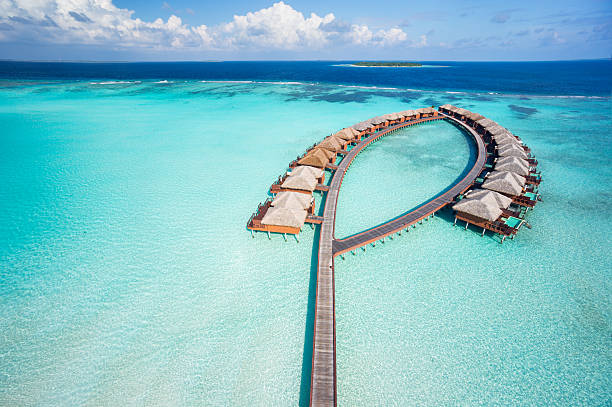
91	22
205	37
391	37
360	34
100	22
279	26
422	42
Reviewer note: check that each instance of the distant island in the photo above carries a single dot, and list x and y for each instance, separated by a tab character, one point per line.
400	64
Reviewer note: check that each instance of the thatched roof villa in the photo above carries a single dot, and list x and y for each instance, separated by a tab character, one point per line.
317	157
347	134
512	150
478	208
299	183
502	201
515	165
502	174
307	170
505	184
292	200
291	218
332	144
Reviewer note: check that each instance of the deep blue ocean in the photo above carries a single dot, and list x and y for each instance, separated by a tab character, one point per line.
576	78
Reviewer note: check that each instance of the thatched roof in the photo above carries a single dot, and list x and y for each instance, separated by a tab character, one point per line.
475	116
500	200
512	150
497	174
377	120
462	112
515	167
483	209
499	131
350	130
284	217
292	200
486	122
448	107
426	110
505	184
307	170
344	135
317	157
505	137
496	129
300	182
347	134
503	142
331	143
362	126
520	161
408	113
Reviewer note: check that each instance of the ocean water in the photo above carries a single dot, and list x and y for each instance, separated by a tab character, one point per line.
576	78
127	275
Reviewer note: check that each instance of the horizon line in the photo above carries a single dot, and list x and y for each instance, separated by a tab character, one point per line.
290	60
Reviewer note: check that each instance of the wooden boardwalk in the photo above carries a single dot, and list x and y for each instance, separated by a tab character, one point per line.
323	379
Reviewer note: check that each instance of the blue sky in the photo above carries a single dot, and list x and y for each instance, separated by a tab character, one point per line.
299	29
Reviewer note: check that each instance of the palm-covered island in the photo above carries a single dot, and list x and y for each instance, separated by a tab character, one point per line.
388	64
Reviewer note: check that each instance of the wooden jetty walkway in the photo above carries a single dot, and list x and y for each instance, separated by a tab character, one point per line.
323	379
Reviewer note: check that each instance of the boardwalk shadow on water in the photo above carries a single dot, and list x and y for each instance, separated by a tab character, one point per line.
309	327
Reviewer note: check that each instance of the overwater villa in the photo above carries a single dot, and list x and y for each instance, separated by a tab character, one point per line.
363	128
333	144
472	118
299	183
490	211
349	134
307	170
520	167
512	185
393	118
318	157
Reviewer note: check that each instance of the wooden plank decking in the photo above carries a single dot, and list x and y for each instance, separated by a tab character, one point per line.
323	379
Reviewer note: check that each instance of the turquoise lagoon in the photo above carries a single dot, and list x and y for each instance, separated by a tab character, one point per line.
128	278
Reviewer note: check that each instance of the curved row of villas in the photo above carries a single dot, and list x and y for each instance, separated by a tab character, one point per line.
509	184
292	203
505	190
